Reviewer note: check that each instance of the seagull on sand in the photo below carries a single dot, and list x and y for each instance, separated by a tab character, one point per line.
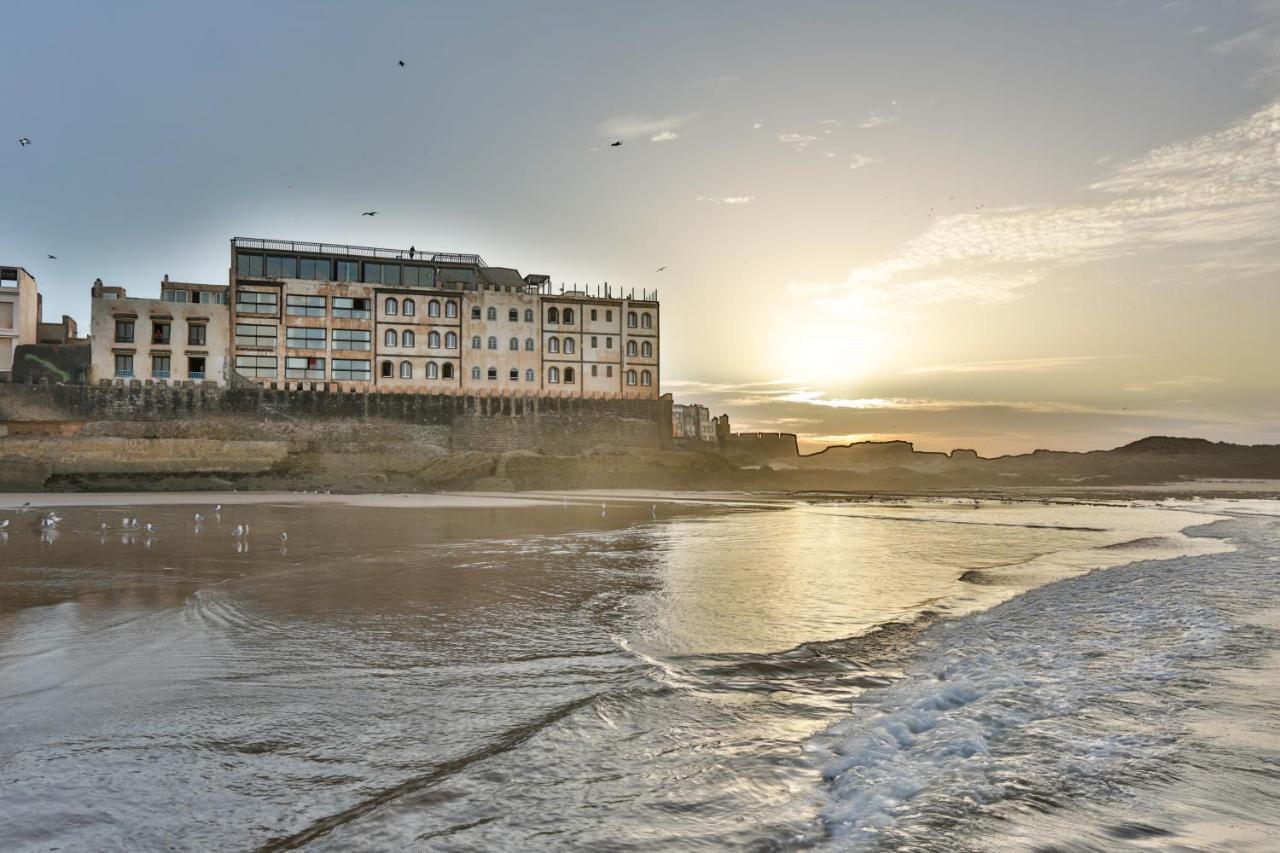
284	537
198	518
240	531
217	507
4	524
653	510
151	528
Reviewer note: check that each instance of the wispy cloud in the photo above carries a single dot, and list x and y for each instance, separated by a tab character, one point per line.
1015	365
757	125
859	160
1219	192
1179	385
876	119
633	125
665	136
732	199
798	141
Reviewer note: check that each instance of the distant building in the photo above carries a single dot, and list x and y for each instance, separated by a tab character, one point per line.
19	314
180	337
692	421
61	333
361	318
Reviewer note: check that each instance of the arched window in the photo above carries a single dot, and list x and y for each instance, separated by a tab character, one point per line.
528	315
553	344
568	374
450	340
493	373
631	349
406	370
528	375
433	308
407	338
408	308
493	342
475	314
475	373
514	374
646	349
475	342
433	340
646	320
492	313
390	338
568	345
514	344
513	316
388	369
646	378
446	372
553	315
528	344
451	309
631	377
433	370
390	306
553	374
631	319
568	315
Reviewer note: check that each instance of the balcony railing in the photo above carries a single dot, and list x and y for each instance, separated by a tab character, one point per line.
159	374
195	374
123	374
354	251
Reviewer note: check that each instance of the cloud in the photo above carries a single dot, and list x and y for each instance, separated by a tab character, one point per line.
665	136
1015	365
1219	192
732	199
631	126
876	119
1179	385
860	160
757	125
798	141
831	122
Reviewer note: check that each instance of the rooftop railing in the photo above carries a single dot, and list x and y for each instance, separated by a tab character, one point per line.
355	251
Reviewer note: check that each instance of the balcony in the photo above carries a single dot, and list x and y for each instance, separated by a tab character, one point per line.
121	373
197	375
159	374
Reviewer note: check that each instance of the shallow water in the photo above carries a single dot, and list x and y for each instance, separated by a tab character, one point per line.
554	677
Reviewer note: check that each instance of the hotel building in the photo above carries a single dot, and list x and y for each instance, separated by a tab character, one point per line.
359	318
19	314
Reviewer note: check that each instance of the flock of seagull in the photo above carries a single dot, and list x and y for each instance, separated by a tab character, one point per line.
49	521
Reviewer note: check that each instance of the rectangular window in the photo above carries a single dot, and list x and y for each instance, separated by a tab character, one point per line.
256	366
346	271
124	332
280	267
124	365
304	338
304	368
296	305
593	313
595	342
255	302
382	274
173	295
160	366
160	333
196	334
315	269
420	276
608	343
249	266
351	339
250	335
608	316
354	309
195	367
350	370
608	370
209	297
595	370
6	315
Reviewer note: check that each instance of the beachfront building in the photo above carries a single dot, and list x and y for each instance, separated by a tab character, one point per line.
180	337
19	314
360	318
693	422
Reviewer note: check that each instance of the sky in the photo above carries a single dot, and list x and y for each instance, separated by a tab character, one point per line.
991	225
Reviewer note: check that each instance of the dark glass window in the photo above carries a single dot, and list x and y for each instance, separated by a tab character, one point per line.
355	309
124	365
297	305
346	271
315	269
124	332
196	333
249	266
250	335
255	302
281	267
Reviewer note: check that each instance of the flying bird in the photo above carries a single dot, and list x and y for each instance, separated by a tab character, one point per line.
370	213
24	142
401	63
660	269
615	144
52	257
